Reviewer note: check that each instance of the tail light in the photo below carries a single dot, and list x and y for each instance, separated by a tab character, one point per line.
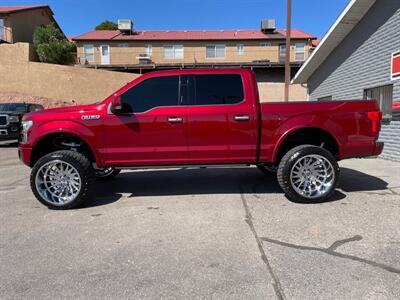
376	118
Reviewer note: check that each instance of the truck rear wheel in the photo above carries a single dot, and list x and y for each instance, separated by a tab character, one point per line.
308	174
62	179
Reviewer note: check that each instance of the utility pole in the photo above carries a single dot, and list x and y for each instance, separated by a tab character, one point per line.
287	58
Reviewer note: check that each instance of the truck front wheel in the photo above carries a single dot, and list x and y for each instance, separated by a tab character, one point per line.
308	173
62	179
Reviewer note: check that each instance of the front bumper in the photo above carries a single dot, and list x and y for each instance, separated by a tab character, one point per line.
10	132
25	154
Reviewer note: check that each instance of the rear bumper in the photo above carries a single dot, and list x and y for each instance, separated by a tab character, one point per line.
378	148
25	153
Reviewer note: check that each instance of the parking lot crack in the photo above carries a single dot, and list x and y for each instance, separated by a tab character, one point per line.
249	220
331	251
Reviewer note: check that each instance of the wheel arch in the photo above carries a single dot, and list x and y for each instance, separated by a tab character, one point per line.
311	134
45	144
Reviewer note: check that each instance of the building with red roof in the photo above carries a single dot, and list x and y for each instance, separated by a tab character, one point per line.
143	50
17	23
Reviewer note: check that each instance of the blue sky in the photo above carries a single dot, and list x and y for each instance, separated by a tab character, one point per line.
79	16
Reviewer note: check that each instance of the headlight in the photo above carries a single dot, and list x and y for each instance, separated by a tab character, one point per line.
14	119
26	125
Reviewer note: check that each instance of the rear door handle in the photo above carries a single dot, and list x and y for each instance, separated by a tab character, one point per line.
242	118
175	120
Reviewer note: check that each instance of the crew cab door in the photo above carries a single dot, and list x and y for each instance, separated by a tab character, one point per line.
154	131
222	119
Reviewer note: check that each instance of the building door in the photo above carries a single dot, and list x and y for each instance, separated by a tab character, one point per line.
105	54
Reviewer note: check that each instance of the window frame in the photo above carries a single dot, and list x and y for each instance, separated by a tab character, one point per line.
180	102
385	117
240	49
85	56
174	46
148	49
296	51
266	44
2	29
215	51
123	45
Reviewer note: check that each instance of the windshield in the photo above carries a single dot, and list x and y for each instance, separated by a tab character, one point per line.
13	107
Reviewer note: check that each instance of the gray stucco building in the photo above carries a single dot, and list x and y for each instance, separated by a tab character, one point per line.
354	61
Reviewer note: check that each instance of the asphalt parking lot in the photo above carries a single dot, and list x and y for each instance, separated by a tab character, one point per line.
203	233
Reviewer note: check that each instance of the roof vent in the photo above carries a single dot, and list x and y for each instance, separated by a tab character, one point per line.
125	25
268	25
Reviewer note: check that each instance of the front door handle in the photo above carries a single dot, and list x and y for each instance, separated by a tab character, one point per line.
242	118
175	120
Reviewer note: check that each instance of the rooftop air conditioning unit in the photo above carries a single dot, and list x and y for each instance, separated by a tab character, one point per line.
268	25
125	25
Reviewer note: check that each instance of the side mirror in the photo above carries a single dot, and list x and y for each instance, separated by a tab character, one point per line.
116	105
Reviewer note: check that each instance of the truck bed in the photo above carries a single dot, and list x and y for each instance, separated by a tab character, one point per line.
346	121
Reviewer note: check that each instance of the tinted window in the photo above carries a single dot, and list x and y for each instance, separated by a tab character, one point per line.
218	89
153	92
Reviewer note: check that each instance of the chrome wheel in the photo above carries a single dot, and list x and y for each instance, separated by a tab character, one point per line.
58	182
312	176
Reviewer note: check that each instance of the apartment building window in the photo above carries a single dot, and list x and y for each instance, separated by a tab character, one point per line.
88	53
267	44
384	96
215	51
2	29
300	51
123	45
173	52
240	49
326	98
148	49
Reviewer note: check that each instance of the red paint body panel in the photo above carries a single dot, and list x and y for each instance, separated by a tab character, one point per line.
207	134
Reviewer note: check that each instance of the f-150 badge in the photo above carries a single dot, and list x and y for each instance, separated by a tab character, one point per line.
90	117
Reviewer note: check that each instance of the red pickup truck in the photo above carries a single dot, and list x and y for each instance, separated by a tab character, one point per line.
195	117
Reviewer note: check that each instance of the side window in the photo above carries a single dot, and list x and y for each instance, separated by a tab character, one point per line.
218	89
153	92
384	96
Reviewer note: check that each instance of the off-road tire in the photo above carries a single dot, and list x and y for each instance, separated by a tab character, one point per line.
285	167
80	163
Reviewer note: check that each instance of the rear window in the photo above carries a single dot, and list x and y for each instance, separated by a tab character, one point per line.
218	89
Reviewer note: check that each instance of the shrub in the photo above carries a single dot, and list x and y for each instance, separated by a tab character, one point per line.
51	45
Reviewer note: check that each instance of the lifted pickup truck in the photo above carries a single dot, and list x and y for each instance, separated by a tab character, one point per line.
195	117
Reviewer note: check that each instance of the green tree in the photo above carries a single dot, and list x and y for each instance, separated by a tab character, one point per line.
51	45
107	25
